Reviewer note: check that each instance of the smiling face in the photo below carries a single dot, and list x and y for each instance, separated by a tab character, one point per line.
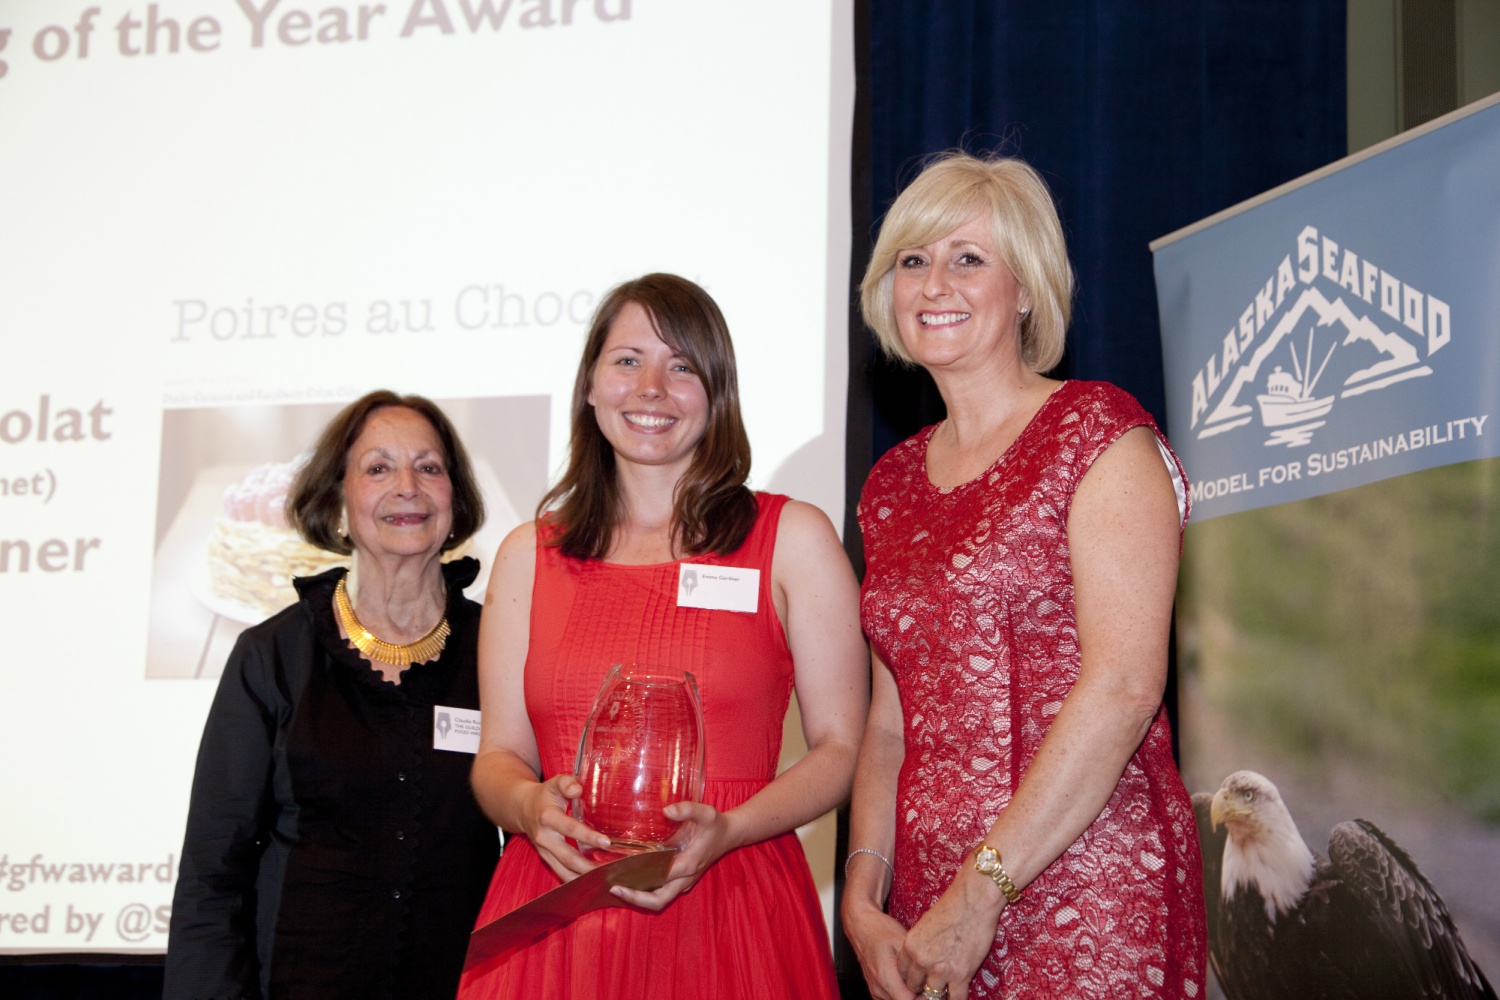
396	487
649	402
955	299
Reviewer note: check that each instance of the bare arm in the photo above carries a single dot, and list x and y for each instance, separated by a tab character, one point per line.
508	766
812	572
1124	536
813	581
876	936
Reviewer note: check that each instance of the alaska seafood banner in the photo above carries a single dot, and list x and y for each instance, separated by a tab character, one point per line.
1345	330
1333	371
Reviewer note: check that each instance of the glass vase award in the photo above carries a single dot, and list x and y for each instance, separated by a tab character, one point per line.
642	750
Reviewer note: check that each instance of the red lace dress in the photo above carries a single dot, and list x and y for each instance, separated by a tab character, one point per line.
968	598
752	926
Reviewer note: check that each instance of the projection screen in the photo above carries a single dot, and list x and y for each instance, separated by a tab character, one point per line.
225	218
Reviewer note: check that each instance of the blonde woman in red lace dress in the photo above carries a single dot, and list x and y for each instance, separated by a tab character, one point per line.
1019	828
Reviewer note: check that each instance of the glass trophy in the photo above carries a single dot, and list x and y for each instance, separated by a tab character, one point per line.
642	750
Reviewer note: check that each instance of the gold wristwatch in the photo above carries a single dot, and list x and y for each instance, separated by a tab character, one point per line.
987	862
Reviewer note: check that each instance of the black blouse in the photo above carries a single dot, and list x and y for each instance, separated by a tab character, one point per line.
331	851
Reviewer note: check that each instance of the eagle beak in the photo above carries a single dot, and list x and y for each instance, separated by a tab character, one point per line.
1219	810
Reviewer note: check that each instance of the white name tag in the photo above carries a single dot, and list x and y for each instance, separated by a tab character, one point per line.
718	588
455	729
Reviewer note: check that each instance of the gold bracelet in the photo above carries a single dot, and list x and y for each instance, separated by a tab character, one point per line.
987	863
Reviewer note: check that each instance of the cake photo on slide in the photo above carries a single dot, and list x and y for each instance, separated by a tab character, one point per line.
253	551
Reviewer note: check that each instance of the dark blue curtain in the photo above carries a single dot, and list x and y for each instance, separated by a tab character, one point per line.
1143	117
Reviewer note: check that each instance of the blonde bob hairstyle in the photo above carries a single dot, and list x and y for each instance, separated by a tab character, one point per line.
1026	232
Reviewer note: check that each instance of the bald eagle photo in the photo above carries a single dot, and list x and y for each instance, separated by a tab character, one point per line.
1284	924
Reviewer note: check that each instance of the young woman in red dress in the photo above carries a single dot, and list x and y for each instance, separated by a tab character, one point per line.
659	459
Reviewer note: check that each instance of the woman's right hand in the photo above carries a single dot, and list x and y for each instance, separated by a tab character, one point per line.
508	763
877	939
548	825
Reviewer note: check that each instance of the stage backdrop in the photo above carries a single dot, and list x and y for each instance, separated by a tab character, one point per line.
1333	384
225	218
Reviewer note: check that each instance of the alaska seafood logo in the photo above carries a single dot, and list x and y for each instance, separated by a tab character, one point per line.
1330	328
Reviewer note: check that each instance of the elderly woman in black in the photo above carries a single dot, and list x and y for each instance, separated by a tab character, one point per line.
333	846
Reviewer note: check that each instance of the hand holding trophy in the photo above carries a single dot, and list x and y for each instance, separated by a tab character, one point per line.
641	751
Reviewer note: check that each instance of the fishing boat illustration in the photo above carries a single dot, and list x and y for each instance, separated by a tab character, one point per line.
1289	398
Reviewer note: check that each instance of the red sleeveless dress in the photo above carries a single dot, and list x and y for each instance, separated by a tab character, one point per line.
752	926
968	598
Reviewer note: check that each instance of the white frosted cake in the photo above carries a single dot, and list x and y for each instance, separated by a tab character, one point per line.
253	553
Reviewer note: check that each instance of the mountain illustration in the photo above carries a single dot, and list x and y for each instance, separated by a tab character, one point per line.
1288	396
1398	353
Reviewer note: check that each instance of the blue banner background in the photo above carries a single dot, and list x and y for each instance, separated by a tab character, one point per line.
1298	283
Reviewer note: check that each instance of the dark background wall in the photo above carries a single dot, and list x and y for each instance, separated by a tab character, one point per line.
1142	117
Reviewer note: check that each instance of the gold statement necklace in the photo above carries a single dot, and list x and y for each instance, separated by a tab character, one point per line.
424	649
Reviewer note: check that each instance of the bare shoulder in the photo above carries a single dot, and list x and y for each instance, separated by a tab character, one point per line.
1126	499
809	558
804	532
802	520
1132	467
522	538
514	563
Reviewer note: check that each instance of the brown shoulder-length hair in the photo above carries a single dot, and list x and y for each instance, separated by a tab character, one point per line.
713	510
315	503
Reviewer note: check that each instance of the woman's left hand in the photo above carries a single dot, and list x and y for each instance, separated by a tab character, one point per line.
945	948
705	837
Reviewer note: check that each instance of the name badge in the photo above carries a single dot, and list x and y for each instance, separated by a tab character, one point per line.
718	588
455	729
